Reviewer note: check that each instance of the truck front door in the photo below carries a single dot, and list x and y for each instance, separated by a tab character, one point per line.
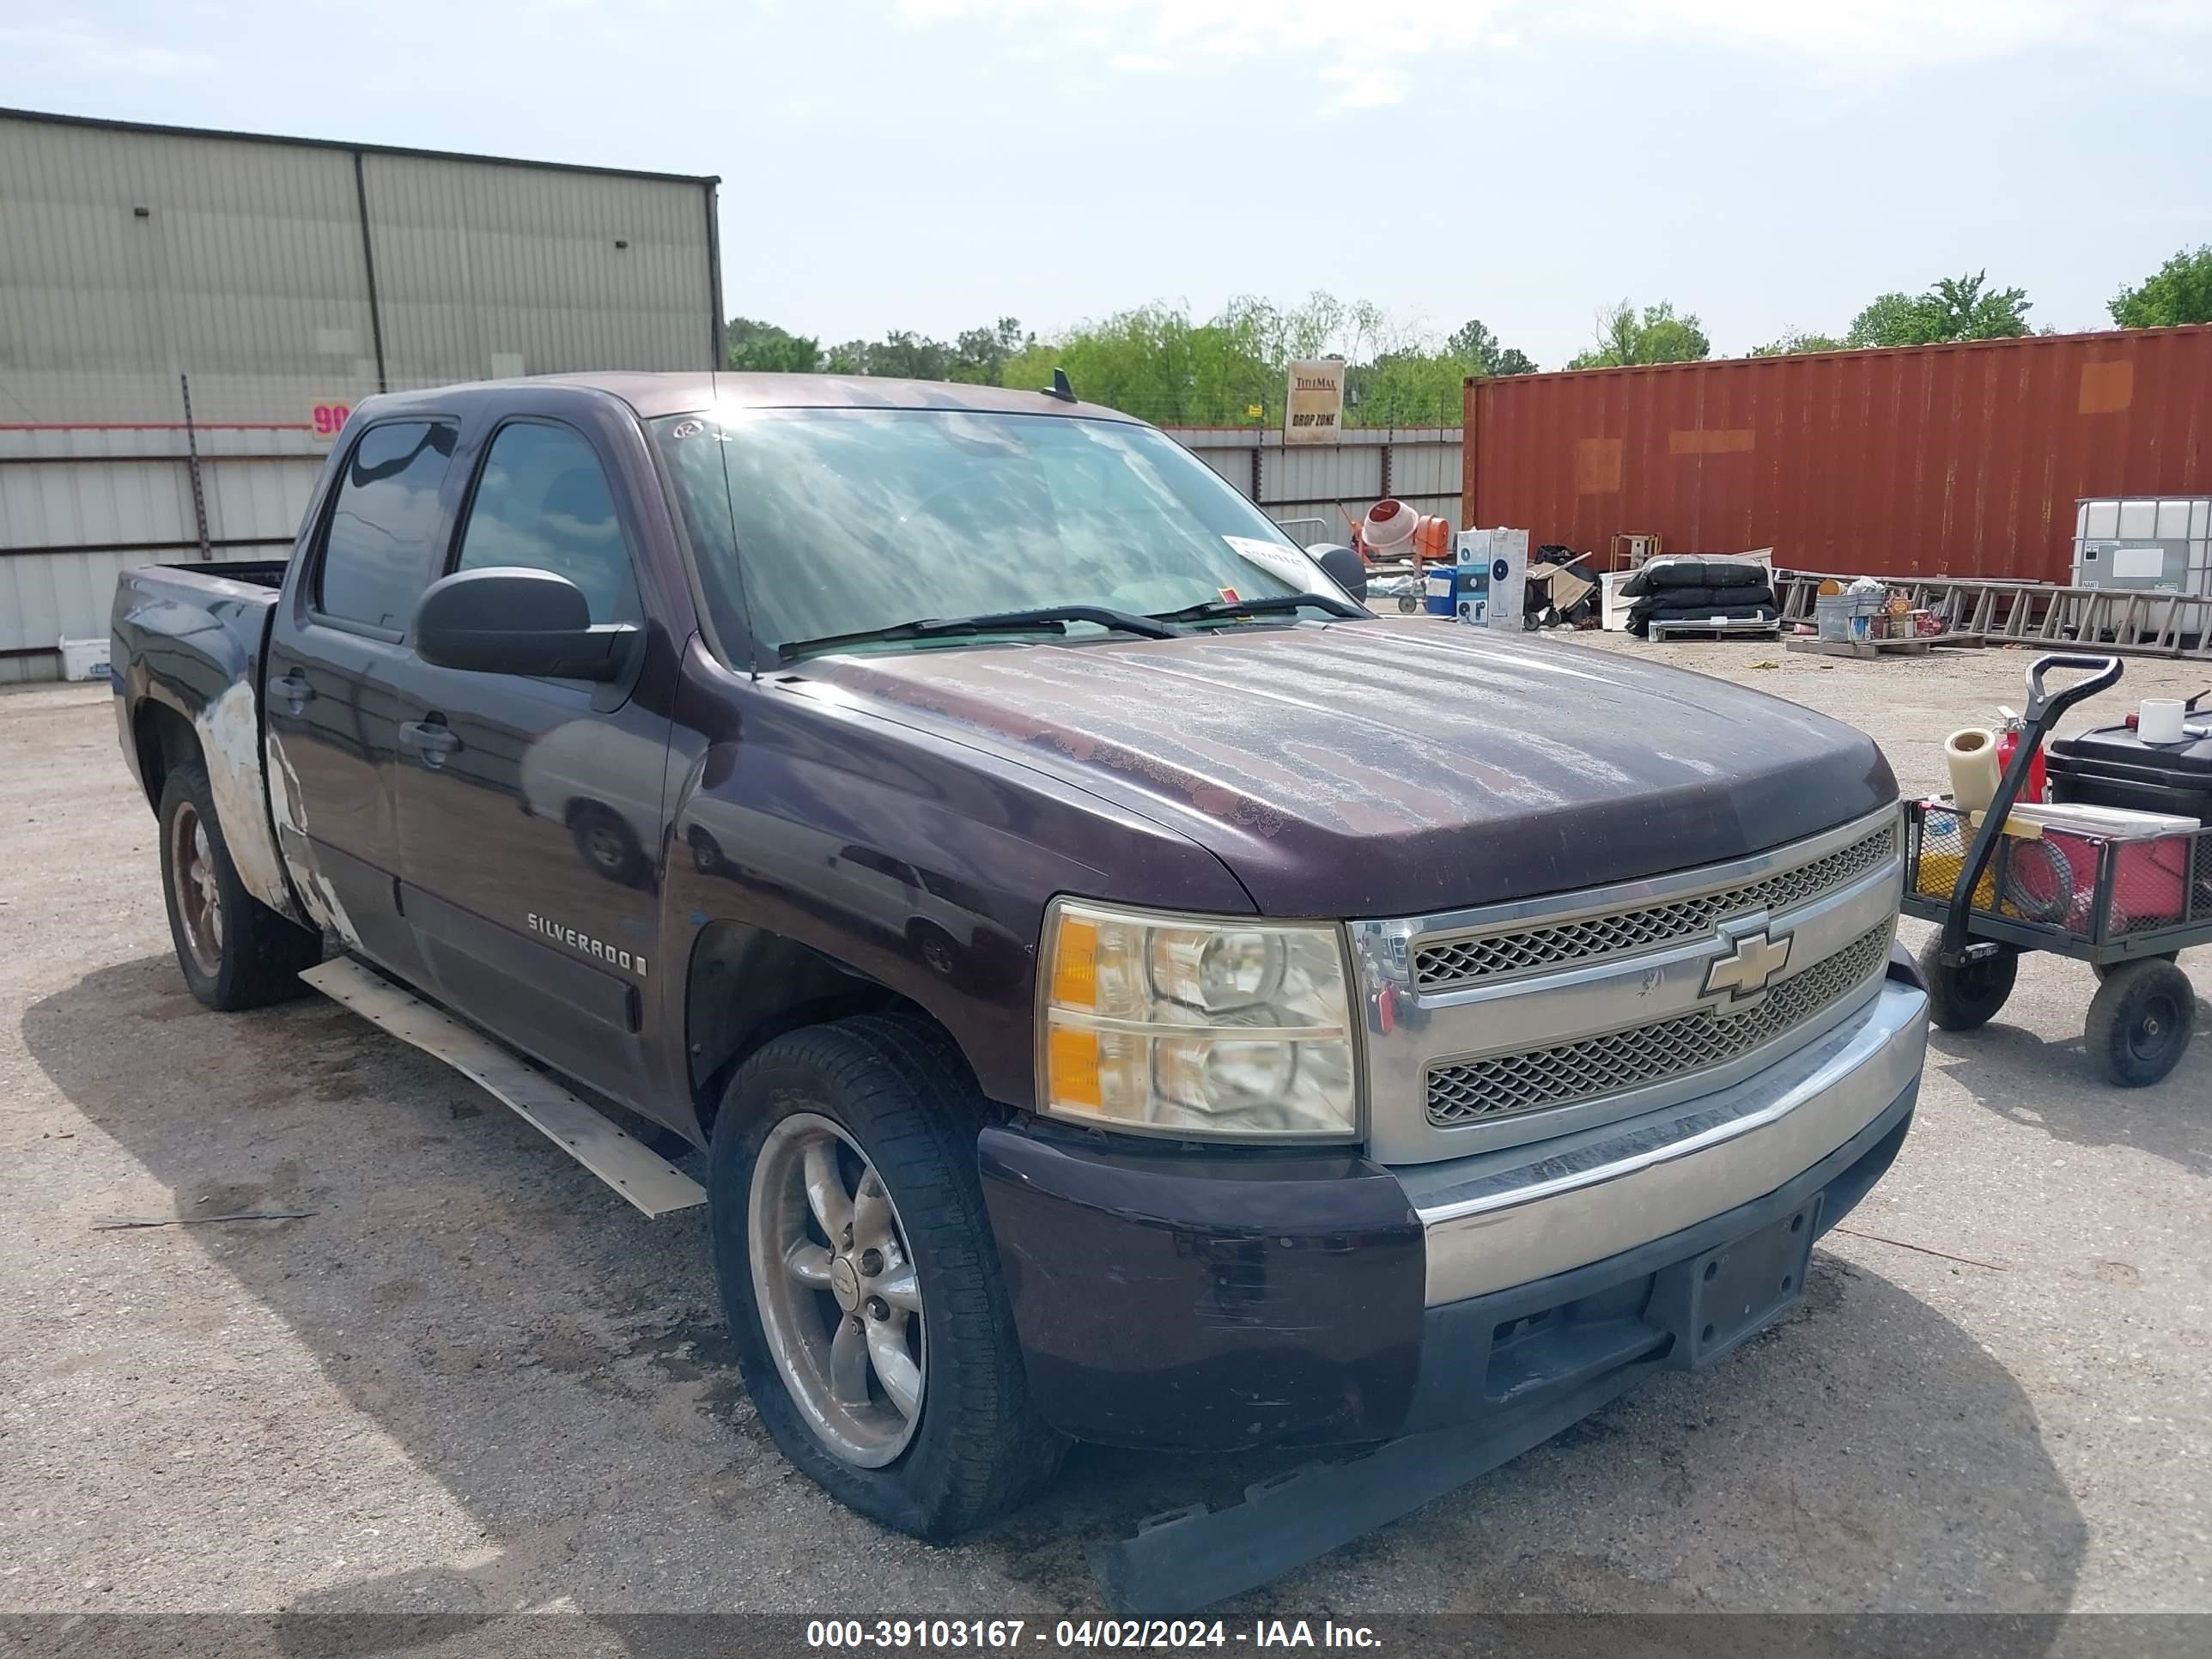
330	688
530	811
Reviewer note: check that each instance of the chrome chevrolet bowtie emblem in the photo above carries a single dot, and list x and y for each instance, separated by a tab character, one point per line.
1744	973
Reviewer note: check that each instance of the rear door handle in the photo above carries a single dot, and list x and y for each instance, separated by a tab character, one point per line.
295	689
431	740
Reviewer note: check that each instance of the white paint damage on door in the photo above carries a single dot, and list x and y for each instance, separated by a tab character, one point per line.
290	814
228	730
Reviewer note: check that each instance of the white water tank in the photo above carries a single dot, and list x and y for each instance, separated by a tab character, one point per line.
2160	544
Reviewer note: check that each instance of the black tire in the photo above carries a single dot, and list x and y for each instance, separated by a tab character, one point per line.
260	954
2140	1021
706	851
606	844
1962	997
898	1087
2103	970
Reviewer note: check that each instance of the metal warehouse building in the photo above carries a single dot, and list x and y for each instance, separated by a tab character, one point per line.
186	315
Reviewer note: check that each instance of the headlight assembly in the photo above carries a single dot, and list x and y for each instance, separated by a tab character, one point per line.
1204	1028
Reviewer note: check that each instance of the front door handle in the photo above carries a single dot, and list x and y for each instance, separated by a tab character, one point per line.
429	740
294	690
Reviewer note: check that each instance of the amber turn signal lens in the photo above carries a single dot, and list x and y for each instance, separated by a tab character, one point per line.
1075	964
1073	1067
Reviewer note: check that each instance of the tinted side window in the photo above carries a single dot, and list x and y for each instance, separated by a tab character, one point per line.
378	553
542	502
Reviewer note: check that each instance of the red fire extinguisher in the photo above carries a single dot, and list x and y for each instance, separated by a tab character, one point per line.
2008	744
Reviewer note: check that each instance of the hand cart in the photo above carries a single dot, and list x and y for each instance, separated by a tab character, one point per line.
2001	883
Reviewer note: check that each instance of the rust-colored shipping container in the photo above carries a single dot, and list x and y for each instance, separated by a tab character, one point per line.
1963	460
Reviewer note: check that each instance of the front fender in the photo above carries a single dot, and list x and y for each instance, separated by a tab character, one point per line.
913	862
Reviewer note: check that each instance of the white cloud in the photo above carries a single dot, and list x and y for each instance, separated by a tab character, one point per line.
80	47
1368	50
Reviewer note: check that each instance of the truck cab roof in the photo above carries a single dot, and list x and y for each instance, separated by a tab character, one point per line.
652	395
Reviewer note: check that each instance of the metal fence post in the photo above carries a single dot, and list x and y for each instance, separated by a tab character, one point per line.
192	465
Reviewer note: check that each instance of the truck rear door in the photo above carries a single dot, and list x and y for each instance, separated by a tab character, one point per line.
330	688
529	810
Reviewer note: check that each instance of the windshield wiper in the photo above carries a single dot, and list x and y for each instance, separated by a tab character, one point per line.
1207	609
1046	619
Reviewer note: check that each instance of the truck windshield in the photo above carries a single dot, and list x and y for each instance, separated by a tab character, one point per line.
831	522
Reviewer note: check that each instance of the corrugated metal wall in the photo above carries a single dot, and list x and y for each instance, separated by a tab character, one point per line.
273	275
1930	460
491	270
79	504
245	271
1295	483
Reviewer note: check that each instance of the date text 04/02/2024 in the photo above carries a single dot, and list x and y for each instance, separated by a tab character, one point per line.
859	1634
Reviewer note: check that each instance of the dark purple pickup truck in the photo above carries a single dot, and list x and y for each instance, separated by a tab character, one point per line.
1125	991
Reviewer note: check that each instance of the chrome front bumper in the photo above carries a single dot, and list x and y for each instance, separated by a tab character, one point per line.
1522	1213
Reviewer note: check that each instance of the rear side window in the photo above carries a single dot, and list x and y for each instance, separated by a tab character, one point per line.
377	555
543	503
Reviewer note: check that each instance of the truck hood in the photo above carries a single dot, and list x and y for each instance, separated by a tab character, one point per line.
1399	766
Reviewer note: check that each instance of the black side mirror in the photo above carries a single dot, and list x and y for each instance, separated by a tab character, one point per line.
1344	566
507	620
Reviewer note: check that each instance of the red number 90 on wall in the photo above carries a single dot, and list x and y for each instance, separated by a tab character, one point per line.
328	418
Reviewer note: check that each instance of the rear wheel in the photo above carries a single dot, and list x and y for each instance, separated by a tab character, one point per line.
235	952
2140	1021
855	1262
1969	995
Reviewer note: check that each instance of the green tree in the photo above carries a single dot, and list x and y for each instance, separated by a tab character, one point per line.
749	344
1407	388
1795	341
2178	291
1893	319
1161	363
1474	345
979	355
1158	363
1956	308
905	355
1626	338
1966	308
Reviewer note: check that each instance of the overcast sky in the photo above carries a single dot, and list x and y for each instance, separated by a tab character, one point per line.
934	164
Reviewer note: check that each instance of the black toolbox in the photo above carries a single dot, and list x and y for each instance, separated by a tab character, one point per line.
2113	767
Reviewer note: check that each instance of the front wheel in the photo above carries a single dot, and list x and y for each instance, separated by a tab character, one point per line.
856	1268
2140	1021
1969	995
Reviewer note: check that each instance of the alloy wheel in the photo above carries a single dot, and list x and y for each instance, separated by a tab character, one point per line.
199	899
839	1299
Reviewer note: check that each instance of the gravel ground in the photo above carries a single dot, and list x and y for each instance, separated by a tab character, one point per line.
473	1380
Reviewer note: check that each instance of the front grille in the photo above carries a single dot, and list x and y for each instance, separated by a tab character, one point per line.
1451	964
1504	1085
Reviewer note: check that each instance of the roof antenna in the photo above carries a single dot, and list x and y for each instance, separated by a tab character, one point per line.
1060	387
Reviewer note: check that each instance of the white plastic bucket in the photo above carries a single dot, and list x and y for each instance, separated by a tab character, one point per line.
84	659
2162	720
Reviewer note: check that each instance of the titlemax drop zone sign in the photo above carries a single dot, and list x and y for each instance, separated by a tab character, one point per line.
1314	411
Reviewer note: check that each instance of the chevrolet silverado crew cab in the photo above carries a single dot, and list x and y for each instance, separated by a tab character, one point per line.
1124	990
